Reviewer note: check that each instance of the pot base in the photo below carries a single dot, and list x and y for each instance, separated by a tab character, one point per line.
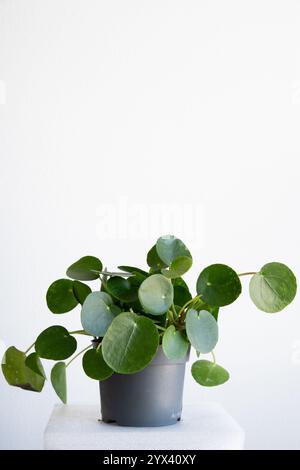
141	424
149	398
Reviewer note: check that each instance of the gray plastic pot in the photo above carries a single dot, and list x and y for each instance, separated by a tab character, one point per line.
151	397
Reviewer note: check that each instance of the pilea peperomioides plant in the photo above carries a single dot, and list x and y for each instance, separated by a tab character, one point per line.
136	311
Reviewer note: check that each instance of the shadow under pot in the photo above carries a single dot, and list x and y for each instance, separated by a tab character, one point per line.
151	397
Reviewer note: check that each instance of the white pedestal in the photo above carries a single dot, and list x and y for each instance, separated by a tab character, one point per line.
203	427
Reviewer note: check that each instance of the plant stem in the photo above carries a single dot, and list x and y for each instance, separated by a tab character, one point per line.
174	311
250	273
186	305
79	332
160	327
213	356
28	349
78	354
170	317
103	278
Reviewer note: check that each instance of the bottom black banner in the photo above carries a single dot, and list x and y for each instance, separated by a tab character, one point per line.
136	458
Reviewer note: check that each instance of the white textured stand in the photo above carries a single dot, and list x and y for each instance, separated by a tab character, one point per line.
203	427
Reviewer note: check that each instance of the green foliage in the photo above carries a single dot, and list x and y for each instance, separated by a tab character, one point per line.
169	248
209	374
64	295
122	289
175	344
178	267
173	253
97	313
273	288
17	372
94	365
55	343
154	261
59	380
219	285
133	270
156	294
200	305
87	268
60	296
202	330
181	292
132	312
34	363
130	343
81	291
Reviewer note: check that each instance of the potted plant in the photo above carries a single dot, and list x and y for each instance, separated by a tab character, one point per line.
141	326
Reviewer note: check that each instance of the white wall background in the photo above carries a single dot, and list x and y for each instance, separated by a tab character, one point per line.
114	116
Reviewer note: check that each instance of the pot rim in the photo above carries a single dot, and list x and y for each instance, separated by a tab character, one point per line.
159	358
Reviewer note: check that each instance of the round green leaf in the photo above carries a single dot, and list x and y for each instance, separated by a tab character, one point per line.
85	269
17	373
273	288
94	365
60	296
156	294
130	343
202	330
55	343
178	267
97	313
209	374
34	363
174	343
169	248
154	261
219	285
81	291
58	380
122	289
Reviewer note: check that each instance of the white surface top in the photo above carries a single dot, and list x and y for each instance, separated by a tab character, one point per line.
207	426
